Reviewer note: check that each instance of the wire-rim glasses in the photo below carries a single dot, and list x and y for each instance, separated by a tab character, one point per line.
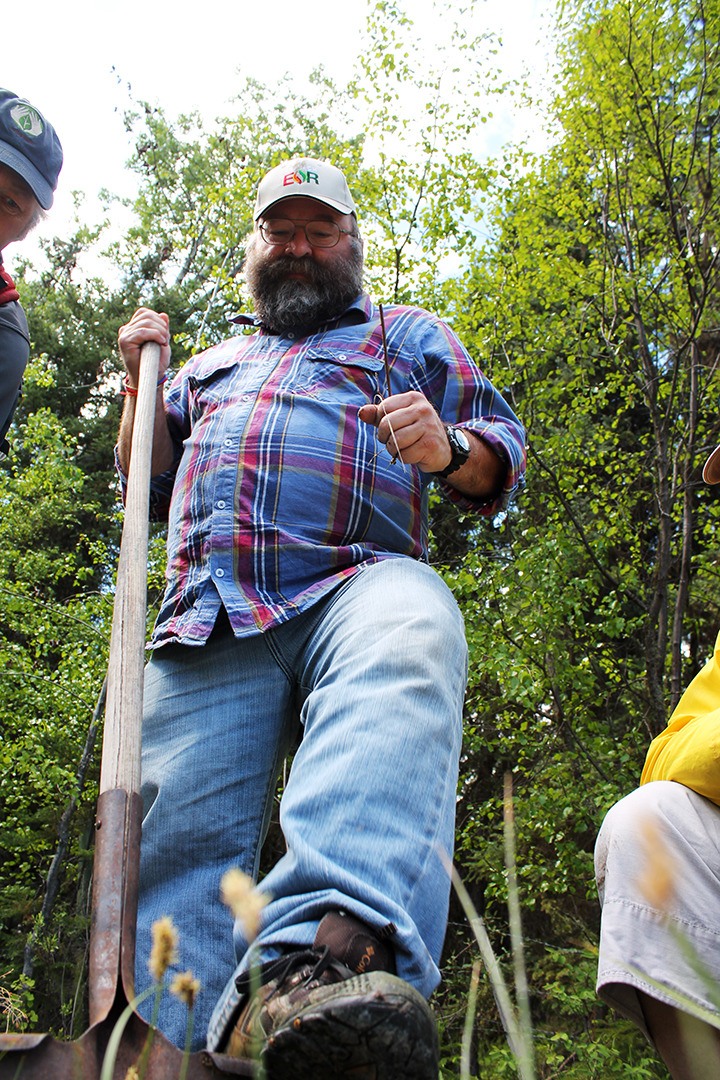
278	232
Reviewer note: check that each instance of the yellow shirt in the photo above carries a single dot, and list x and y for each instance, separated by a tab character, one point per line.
688	750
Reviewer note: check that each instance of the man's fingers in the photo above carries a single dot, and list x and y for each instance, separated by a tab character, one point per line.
144	326
373	414
370	414
144	321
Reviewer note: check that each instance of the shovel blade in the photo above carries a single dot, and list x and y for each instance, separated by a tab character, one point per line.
112	955
41	1057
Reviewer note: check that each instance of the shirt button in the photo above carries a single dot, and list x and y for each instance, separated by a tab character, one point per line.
220	572
221	504
342	356
227	442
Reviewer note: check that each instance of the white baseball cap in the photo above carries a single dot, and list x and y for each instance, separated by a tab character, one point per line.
711	469
307	177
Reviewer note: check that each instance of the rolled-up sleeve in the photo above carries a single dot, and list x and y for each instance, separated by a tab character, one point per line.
465	397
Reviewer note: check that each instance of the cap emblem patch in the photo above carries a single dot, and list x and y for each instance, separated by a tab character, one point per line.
300	177
27	119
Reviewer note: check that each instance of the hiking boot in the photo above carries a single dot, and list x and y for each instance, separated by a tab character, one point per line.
335	1011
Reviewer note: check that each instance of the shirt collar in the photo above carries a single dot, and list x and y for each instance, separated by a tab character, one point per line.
360	311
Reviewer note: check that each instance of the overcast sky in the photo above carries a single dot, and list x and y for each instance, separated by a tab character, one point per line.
75	60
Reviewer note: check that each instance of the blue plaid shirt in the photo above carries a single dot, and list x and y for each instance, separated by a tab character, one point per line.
279	491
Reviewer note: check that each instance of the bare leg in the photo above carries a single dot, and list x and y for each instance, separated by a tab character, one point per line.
689	1047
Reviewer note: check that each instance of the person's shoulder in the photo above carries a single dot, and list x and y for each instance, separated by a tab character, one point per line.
415	323
13	318
411	311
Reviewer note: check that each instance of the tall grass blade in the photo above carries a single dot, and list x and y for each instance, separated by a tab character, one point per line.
508	1017
526	1060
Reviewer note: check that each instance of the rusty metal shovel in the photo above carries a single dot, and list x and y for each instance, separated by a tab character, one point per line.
118	826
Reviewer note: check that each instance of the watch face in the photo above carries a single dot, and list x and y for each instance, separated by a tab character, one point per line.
462	438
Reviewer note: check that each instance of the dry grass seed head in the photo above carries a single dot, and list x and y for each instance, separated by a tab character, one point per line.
239	893
164	947
186	987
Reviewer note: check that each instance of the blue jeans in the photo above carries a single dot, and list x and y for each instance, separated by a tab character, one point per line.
375	675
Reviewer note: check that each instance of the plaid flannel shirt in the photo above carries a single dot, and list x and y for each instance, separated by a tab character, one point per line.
279	492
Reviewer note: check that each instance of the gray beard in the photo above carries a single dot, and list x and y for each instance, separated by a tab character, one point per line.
292	307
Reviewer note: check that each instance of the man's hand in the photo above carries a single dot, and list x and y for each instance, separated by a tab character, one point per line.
144	326
408	424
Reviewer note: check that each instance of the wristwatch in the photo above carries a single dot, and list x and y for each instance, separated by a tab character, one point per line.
460	447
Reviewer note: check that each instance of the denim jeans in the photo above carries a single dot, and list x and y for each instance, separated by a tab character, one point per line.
375	676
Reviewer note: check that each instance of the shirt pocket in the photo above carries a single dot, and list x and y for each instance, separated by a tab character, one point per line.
209	387
342	375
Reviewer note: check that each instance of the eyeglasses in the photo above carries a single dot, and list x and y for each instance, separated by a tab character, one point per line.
322	234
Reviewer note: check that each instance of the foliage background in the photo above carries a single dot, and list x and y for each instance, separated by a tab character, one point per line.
585	280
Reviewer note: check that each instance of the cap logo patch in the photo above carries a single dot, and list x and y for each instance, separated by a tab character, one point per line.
300	177
27	119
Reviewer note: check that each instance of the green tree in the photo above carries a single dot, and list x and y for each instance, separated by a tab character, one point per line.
74	374
598	299
53	633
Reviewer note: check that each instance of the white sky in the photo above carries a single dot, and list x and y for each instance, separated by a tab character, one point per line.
74	60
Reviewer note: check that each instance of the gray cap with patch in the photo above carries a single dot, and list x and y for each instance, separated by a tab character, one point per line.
29	146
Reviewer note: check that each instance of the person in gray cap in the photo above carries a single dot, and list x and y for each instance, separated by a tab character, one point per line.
30	162
657	863
300	611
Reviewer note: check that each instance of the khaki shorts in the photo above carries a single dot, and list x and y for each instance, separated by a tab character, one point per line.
657	864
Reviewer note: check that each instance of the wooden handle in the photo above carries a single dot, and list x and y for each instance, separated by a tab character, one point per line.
123	710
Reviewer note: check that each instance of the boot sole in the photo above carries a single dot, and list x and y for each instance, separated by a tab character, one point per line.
374	1027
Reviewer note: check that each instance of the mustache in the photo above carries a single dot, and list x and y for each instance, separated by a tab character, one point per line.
277	270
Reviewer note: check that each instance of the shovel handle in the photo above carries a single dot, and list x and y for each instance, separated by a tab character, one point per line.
123	710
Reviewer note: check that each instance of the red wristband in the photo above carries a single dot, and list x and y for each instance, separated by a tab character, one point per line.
131	391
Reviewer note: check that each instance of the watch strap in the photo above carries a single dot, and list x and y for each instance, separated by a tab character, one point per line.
460	453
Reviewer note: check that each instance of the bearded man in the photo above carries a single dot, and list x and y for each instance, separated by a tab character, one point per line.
300	611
